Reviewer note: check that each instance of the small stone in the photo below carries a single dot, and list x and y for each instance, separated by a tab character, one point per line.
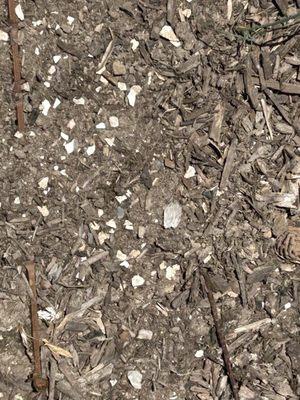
114	121
122	86
56	103
102	236
134	44
199	354
135	378
118	68
172	215
190	172
128	225
70	147
171	271
101	125
145	334
70	19
43	183
71	124
64	136
121	256
79	102
110	141
112	224
137	281
91	150
168	33
56	58
45	107
17	200
37	51
43	210
4	36
51	70
134	91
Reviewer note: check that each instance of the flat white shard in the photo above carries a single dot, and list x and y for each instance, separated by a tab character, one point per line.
137	281
19	12
133	92
4	36
91	150
70	147
43	210
168	33
45	107
172	215
43	183
135	378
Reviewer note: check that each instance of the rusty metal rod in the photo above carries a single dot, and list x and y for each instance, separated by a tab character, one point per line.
39	382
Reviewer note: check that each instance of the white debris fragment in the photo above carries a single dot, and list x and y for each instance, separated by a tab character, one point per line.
17	200
122	86
43	183
137	281
128	225
71	124
112	224
172	215
199	354
168	33
135	378
134	253
101	125
120	199
113	382
51	70
94	226
37	51
145	334
56	103
19	12
56	58
110	141
103	80
125	264
26	87
134	44
43	210
70	19
133	92
45	107
18	135
91	150
70	147
121	256
102	236
100	212
4	36
48	314
190	172
114	121
187	12
171	271
287	306
47	84
64	136
79	102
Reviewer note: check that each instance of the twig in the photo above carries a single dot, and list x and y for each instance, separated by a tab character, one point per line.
39	382
17	89
220	335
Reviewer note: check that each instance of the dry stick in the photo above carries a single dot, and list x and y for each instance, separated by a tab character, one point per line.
17	89
39	382
220	335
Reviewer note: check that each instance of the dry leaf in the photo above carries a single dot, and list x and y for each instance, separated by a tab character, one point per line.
57	350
